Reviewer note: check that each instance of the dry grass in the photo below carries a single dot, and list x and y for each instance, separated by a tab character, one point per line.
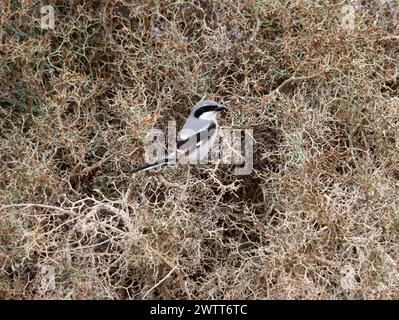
318	218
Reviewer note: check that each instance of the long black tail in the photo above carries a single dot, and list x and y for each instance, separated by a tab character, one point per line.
152	165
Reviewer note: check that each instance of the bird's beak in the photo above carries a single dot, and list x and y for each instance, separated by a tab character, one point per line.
221	108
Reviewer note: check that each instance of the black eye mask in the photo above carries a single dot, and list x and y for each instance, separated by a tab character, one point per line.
207	108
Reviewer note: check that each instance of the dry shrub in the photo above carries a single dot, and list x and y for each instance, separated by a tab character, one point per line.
316	219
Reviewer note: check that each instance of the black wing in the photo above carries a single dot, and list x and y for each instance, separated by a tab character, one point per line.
196	140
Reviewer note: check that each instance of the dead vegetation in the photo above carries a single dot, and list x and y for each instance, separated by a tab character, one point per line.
318	218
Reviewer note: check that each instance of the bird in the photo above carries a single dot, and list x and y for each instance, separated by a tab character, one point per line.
195	139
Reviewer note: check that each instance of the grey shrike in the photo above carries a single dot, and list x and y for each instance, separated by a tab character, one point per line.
196	138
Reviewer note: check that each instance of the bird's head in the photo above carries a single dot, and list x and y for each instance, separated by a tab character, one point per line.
207	110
